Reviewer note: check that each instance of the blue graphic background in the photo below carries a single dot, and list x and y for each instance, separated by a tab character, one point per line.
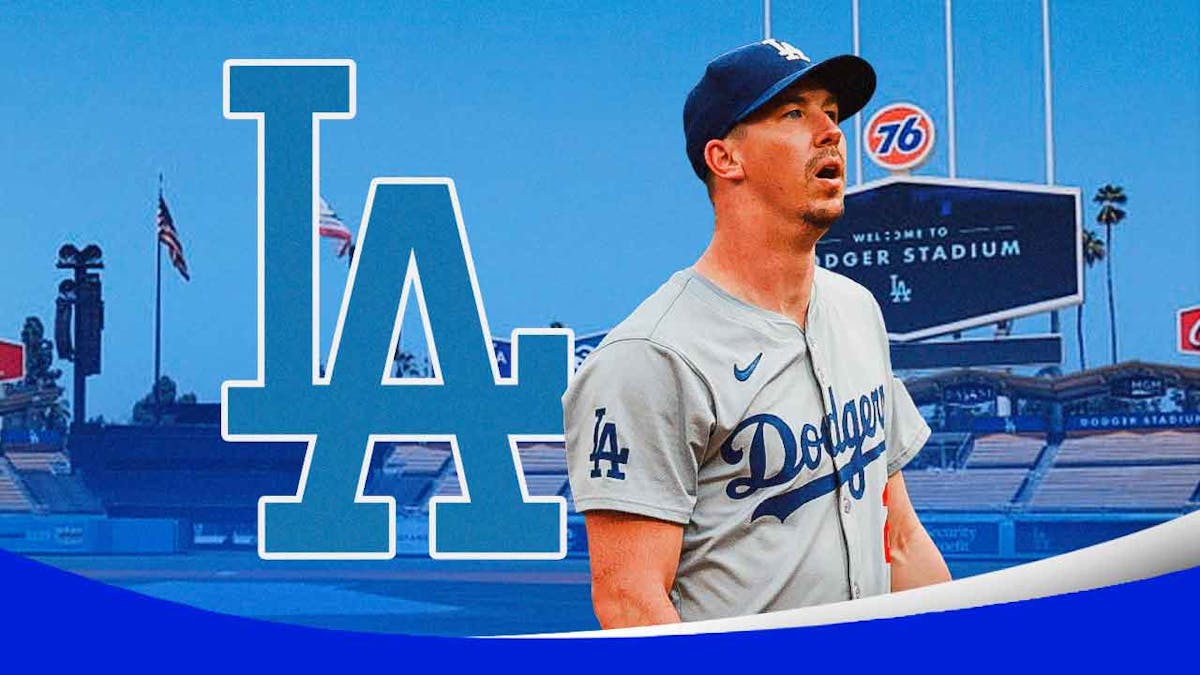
565	144
1132	624
566	148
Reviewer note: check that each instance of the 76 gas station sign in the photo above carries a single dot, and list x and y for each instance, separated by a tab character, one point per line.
1189	330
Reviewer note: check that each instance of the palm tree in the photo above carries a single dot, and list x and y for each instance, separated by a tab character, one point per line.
1110	214
1093	252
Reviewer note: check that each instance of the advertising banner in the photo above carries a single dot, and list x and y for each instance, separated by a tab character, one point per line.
965	538
1189	330
969	393
12	361
1138	387
1175	420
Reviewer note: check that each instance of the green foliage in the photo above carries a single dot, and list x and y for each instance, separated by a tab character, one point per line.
1093	247
1110	215
39	354
40	378
148	411
1109	196
407	364
1094	251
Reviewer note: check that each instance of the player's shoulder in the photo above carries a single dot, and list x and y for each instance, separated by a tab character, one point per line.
660	322
657	341
639	356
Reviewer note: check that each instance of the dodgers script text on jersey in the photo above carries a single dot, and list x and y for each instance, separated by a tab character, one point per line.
771	445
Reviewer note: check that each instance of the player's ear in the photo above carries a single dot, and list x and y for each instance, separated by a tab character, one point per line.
722	159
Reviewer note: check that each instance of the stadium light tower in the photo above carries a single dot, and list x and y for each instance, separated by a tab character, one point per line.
82	294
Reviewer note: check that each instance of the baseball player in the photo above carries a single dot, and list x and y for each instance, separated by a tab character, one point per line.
735	444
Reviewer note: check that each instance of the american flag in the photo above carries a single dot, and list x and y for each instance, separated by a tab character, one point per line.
331	226
168	236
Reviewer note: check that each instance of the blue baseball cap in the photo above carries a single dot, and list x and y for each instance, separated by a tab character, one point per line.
739	82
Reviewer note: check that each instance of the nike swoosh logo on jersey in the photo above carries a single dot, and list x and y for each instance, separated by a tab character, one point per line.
743	374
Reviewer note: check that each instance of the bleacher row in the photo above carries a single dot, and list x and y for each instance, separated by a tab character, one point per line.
416	472
12	497
1124	470
1157	471
41	481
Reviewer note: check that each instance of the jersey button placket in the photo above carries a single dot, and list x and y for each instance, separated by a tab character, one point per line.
845	524
812	354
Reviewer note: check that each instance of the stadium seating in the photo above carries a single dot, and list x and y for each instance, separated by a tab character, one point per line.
1005	450
944	449
936	489
410	472
545	485
23	447
1125	447
178	472
50	462
417	459
407	490
1163	487
544	458
1123	470
448	486
60	493
12	497
544	466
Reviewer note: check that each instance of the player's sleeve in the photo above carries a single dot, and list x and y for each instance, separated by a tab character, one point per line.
906	430
637	419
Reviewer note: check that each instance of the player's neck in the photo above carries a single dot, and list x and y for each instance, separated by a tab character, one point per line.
770	267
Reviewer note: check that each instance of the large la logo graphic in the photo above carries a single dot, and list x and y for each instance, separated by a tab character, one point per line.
342	413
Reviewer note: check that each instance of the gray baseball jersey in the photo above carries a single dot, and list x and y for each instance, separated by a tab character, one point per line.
769	444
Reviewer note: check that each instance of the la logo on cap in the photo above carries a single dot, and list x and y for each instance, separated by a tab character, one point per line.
786	50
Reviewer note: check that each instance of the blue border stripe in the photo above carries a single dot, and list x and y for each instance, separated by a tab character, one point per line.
57	619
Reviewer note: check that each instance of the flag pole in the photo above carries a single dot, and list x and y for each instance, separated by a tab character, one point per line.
857	115
158	309
953	153
1048	101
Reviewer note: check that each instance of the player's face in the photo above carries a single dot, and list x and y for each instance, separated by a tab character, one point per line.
794	154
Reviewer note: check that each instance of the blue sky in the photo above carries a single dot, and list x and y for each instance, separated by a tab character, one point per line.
560	123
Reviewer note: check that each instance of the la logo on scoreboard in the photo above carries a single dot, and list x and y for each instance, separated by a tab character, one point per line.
899	136
1189	330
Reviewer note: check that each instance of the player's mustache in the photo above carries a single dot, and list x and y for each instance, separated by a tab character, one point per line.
815	162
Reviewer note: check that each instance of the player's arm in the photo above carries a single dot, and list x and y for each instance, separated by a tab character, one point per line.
916	561
635	417
633	559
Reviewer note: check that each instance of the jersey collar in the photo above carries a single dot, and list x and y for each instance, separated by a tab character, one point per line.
768	320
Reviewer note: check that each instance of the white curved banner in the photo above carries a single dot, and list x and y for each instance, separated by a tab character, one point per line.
1162	549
